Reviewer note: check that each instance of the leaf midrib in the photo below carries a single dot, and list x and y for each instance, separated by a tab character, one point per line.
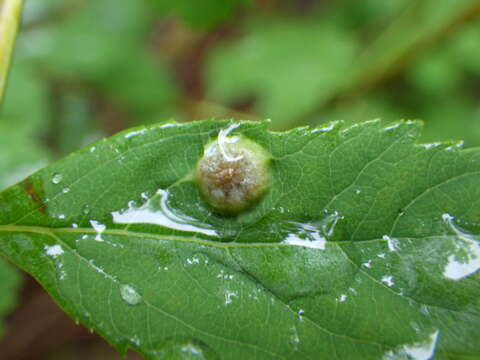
120	232
192	239
51	232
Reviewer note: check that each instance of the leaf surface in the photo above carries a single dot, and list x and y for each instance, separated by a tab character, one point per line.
364	247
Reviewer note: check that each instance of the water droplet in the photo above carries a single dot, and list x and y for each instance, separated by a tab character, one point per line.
329	223
367	264
99	228
130	295
193	260
233	172
157	211
66	190
229	296
135	133
387	279
392	127
312	235
185	349
135	340
86	209
57	178
423	350
328	128
223	275
392	243
306	235
54	250
465	259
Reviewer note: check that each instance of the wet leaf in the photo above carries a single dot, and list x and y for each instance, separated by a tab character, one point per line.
364	246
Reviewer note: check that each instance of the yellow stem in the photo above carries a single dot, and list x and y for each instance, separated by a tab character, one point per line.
10	14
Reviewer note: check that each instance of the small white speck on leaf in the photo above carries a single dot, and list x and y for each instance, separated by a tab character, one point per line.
54	250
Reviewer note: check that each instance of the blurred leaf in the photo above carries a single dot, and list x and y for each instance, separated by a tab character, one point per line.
9	284
436	74
357	14
22	118
200	13
18	159
453	117
72	126
25	105
366	245
97	37
419	27
465	49
104	45
19	155
288	65
145	88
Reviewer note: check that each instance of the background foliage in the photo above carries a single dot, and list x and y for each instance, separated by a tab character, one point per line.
85	69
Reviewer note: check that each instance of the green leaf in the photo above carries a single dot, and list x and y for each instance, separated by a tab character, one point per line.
21	119
284	87
15	163
204	13
78	49
365	246
9	284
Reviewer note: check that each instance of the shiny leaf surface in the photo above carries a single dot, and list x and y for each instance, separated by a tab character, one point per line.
364	246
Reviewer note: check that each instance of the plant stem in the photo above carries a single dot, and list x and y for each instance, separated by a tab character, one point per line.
10	14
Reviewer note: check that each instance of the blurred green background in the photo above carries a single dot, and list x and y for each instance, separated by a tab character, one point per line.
85	69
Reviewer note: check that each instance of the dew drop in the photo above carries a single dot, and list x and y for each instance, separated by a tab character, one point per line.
300	313
66	190
158	211
388	280
130	295
57	178
185	349
86	209
464	259
54	250
422	350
